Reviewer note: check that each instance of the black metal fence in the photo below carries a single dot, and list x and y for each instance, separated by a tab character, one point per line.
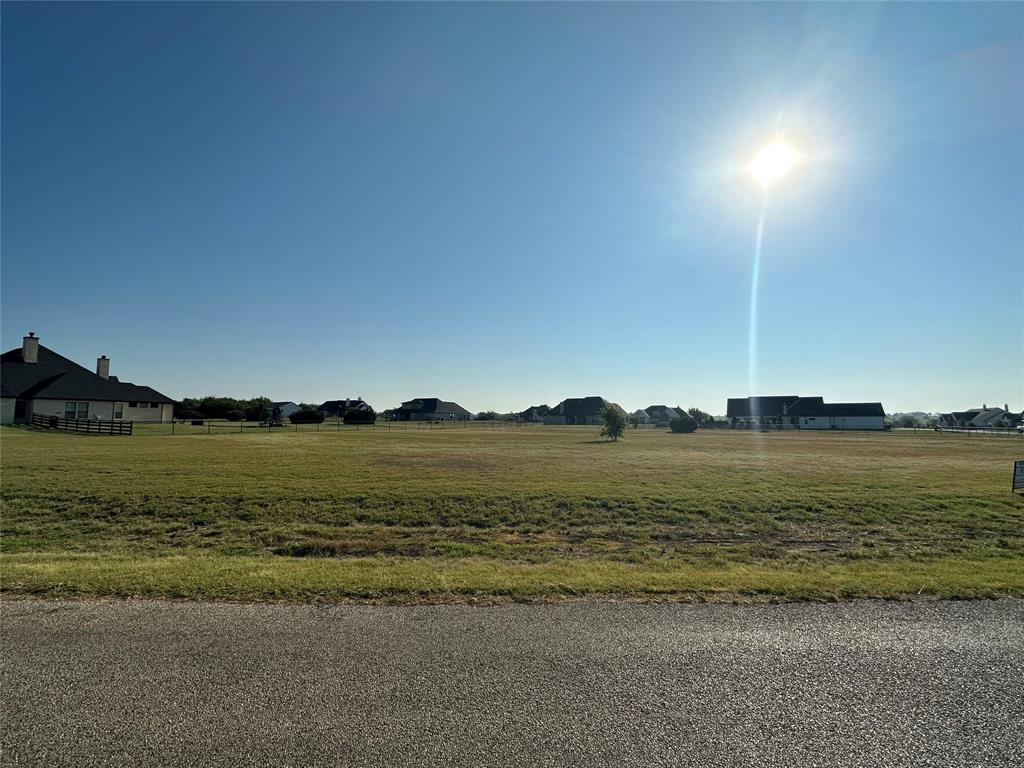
993	431
221	426
86	426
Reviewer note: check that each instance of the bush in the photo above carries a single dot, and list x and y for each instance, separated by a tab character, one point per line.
188	414
234	415
357	416
684	423
306	417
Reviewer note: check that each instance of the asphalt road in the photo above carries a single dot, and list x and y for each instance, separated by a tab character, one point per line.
147	683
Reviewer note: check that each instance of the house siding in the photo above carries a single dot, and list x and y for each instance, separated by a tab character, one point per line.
421	416
841	422
573	420
7	410
102	409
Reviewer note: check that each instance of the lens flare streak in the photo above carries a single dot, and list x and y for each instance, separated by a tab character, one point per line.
755	280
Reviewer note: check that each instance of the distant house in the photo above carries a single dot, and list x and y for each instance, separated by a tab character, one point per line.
38	380
338	408
287	408
430	409
758	411
639	417
534	414
815	413
577	410
661	415
981	418
794	412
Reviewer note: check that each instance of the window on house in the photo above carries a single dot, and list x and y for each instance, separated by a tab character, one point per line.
83	409
132	404
118	410
70	408
154	405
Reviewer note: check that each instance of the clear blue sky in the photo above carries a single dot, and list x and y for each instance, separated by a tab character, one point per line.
512	204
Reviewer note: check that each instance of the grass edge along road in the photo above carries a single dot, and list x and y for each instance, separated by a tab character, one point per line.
383	579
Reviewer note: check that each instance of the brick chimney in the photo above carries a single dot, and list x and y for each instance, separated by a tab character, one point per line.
30	348
103	367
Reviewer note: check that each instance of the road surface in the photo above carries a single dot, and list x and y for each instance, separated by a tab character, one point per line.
143	683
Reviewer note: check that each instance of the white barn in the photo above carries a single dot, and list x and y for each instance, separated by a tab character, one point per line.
36	379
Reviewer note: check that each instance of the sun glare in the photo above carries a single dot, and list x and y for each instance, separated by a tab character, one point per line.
772	162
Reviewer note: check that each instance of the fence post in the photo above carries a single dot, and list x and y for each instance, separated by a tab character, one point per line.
240	426
209	426
172	426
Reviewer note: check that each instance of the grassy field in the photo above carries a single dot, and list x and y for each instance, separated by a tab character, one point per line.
521	513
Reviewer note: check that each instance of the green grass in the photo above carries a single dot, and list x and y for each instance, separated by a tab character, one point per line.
520	513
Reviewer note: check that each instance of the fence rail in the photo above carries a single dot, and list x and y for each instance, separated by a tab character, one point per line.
85	426
220	426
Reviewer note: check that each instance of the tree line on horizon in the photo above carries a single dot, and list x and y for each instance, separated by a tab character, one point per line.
236	409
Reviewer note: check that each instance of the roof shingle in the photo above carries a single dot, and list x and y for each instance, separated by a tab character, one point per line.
54	376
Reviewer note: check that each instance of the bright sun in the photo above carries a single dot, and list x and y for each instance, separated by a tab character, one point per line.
772	162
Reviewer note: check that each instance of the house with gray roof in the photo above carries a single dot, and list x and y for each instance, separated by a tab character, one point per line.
639	417
661	415
981	418
758	411
430	409
577	410
815	413
38	380
534	414
339	408
794	412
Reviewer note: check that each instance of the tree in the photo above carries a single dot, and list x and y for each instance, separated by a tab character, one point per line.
684	423
256	408
210	407
614	421
701	417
